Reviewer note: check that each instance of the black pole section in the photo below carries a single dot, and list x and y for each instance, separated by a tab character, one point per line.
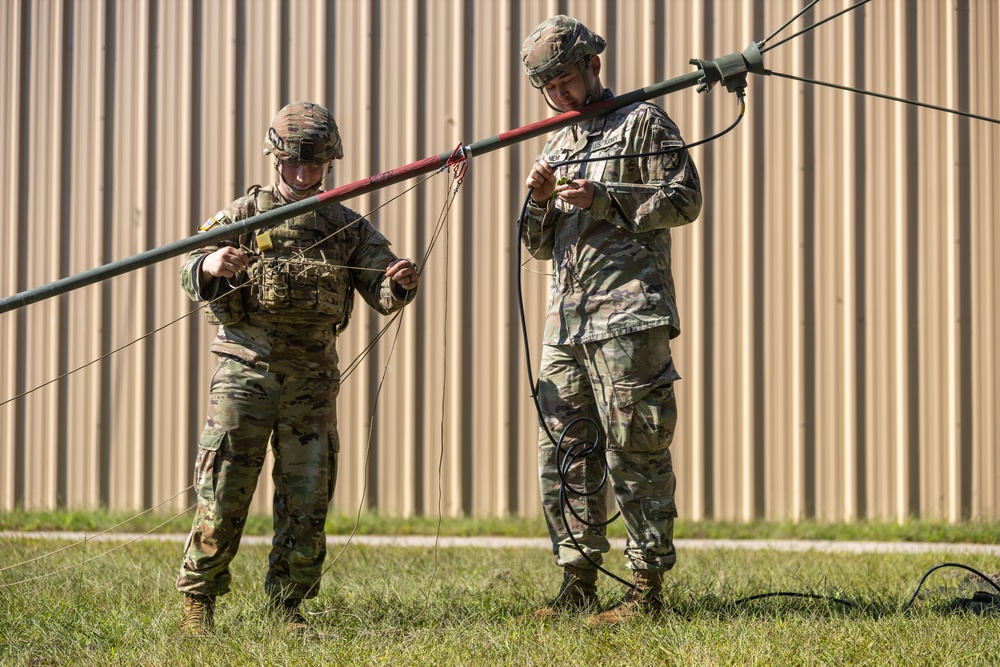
730	70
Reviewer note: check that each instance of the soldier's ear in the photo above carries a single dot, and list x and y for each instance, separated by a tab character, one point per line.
595	64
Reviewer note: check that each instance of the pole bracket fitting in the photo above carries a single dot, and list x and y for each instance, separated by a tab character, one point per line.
730	70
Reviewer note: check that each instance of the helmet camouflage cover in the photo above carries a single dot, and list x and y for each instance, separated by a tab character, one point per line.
304	133
555	45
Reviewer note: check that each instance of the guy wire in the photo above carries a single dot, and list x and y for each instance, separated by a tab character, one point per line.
849	88
812	27
787	23
443	218
105	355
102	554
885	97
90	538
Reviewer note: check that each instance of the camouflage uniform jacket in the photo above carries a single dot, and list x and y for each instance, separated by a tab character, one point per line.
611	262
297	294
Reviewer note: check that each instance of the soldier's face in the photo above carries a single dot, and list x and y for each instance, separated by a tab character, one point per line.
569	90
301	176
300	180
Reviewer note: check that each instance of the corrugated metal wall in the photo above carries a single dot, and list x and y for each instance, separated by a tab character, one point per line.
838	294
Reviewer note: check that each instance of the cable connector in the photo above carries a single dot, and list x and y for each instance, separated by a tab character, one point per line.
980	603
730	70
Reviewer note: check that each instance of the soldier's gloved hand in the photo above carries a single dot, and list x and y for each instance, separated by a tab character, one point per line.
403	272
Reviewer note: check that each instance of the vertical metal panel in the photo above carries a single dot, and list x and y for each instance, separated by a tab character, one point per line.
980	357
786	429
180	377
394	437
131	297
887	313
940	246
12	78
838	294
496	349
849	323
354	54
828	226
43	250
84	115
694	446
464	424
735	300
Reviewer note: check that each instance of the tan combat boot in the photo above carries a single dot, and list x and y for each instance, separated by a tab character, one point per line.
643	599
287	610
199	615
578	593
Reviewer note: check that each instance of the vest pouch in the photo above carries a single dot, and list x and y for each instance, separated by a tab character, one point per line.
332	290
303	275
272	279
302	284
226	309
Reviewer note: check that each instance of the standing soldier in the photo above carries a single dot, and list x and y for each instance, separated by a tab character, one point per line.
605	224
280	298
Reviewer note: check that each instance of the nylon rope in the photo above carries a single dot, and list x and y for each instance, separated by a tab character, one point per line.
72	566
96	535
443	218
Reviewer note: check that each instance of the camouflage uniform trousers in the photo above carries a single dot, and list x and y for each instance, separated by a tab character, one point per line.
248	409
625	385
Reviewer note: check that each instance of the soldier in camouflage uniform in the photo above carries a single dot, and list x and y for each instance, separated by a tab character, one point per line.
280	298
611	315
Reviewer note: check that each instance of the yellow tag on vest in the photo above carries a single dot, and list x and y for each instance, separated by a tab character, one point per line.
212	222
264	240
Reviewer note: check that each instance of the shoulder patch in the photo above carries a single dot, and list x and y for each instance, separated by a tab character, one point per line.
218	218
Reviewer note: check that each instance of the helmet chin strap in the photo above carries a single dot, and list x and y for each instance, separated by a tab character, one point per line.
592	93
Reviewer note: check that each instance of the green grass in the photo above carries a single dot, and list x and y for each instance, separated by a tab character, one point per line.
375	524
463	606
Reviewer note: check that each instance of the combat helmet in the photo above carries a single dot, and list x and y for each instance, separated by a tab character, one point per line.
555	45
304	133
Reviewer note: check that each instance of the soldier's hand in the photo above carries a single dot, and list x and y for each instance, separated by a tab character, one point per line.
579	193
225	262
543	179
403	272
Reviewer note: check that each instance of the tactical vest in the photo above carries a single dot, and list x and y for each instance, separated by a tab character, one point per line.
299	275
